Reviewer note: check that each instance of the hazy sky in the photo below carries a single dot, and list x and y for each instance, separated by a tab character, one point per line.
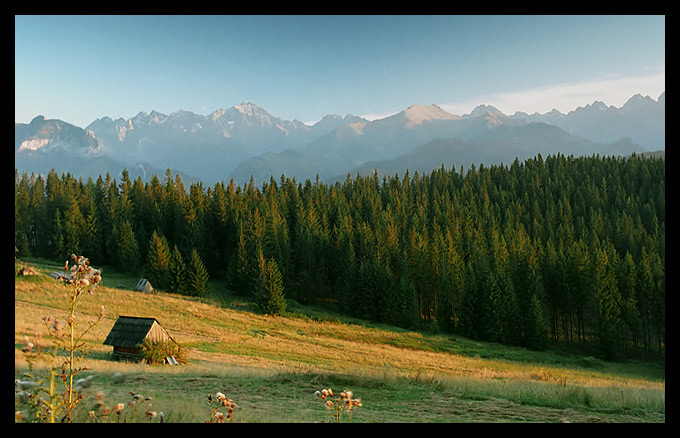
80	68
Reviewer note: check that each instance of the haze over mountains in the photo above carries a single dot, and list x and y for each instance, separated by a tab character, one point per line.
246	140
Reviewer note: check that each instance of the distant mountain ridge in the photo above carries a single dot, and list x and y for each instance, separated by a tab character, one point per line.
394	143
641	118
246	140
207	146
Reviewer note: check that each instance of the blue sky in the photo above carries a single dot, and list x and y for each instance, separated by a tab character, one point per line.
79	68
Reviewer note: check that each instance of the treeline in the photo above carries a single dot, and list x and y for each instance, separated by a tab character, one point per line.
563	249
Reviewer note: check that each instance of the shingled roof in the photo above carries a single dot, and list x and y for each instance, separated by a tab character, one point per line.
130	331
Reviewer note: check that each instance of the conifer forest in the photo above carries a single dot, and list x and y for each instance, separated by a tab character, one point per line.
561	250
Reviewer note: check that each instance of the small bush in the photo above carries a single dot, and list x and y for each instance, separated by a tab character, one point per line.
156	352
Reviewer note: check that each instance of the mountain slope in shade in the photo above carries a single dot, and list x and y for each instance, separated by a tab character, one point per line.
641	118
91	167
523	143
356	147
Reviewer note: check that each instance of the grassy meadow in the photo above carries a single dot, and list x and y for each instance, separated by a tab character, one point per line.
271	366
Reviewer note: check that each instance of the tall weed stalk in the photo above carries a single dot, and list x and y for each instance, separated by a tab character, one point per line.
45	399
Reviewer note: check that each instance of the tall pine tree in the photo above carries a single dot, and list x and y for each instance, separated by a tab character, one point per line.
269	293
158	261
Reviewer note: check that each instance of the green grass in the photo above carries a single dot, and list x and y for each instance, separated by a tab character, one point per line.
271	366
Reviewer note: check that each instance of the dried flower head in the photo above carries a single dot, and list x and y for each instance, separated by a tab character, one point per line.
99	399
28	345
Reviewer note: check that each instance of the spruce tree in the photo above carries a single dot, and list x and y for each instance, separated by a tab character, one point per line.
470	308
406	304
128	259
608	300
270	297
92	242
178	272
197	276
536	330
158	261
73	228
58	248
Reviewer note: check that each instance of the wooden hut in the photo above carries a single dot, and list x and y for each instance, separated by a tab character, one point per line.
128	333
143	285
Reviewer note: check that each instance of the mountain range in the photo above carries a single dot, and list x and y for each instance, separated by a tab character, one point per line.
246	141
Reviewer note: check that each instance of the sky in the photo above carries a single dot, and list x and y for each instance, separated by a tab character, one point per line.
82	67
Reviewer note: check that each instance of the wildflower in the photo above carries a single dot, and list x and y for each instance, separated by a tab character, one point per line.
161	417
119	408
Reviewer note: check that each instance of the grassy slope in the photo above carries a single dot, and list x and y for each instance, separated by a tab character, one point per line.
271	366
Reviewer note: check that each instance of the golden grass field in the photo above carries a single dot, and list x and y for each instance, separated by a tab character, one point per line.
271	366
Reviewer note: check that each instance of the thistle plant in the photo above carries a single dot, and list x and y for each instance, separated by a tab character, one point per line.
340	404
217	403
47	403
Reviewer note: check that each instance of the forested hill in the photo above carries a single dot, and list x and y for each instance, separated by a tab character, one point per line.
557	249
